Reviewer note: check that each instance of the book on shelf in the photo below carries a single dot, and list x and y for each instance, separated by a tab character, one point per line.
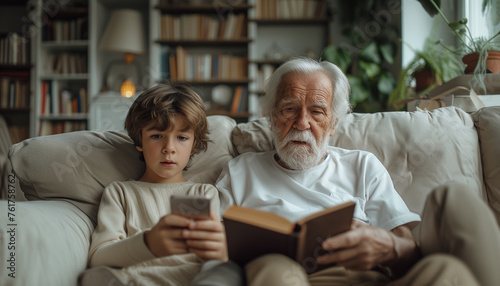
65	29
189	66
14	49
18	133
49	127
292	9
238	104
14	93
66	63
83	101
57	100
236	100
244	100
202	27
164	62
251	233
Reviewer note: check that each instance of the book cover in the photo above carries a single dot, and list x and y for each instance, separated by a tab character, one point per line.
251	233
236	100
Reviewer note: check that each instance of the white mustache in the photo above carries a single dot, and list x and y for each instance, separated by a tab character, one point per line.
302	136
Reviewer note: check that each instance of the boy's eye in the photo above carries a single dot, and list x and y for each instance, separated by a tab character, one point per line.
182	138
156	136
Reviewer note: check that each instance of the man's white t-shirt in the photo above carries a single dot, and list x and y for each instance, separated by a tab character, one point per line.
256	180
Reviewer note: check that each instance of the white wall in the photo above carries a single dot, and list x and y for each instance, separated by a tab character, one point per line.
416	25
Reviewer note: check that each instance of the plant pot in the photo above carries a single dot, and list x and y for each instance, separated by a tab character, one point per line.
492	62
424	78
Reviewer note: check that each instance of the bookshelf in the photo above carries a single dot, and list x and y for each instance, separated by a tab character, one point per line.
204	45
15	70
62	73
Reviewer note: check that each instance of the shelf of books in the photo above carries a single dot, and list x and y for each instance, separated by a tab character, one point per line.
15	93
62	72
207	47
277	29
293	10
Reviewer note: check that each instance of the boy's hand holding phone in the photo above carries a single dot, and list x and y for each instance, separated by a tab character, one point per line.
207	239
191	228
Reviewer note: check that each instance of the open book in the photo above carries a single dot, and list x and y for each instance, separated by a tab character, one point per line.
252	233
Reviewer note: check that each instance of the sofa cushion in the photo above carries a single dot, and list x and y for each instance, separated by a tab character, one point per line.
74	166
487	121
77	166
52	241
421	150
206	166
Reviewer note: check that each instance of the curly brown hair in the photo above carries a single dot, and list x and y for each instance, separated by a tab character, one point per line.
160	103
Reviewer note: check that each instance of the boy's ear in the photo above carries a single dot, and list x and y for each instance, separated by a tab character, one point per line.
138	148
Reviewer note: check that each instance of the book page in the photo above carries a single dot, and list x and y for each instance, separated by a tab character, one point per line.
259	218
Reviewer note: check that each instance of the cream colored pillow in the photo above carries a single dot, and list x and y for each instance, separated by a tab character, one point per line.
74	166
77	166
421	150
487	122
206	166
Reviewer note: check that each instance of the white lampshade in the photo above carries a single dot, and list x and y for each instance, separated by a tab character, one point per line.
124	33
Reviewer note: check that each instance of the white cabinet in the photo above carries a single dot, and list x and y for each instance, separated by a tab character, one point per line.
109	111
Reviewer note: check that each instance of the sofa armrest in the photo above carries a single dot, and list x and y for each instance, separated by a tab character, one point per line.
43	242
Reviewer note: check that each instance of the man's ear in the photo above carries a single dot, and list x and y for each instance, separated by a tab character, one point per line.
138	148
333	128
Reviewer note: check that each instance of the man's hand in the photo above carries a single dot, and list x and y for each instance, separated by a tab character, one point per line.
165	238
361	248
207	239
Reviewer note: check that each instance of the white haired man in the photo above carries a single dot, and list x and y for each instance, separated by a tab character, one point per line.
305	99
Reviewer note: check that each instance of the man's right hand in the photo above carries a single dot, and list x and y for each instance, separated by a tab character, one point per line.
361	248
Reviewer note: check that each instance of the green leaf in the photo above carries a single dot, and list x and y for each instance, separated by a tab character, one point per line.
370	53
388	50
429	8
337	56
457	25
359	92
371	70
386	83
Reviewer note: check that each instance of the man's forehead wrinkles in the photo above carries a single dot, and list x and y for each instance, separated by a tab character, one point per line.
288	100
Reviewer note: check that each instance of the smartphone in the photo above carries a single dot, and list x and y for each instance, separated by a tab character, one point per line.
196	207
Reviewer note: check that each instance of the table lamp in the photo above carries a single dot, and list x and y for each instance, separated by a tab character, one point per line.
124	34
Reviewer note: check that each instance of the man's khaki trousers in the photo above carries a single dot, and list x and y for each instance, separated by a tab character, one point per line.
459	239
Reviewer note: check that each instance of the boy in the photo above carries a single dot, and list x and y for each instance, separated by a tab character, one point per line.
135	231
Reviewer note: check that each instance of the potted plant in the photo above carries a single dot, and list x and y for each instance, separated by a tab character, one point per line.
430	66
481	55
367	59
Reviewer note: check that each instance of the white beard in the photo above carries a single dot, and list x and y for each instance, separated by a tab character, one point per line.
300	157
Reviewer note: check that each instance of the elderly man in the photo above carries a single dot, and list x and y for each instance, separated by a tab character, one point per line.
305	99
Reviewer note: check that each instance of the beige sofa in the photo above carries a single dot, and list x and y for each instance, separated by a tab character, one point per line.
45	240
